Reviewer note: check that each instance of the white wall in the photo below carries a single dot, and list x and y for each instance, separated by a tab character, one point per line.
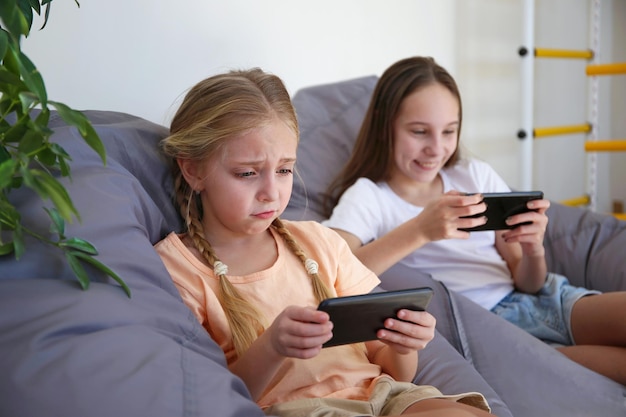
139	56
489	33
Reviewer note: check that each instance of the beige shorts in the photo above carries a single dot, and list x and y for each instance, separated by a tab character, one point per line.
388	397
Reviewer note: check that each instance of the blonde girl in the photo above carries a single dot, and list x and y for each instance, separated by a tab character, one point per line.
253	280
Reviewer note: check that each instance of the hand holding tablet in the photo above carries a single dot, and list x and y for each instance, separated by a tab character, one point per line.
358	318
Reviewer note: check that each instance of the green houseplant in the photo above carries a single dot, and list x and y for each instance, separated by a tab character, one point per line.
27	156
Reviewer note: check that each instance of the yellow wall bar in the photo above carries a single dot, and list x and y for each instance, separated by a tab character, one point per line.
621	216
577	201
563	53
561	130
607	69
605	146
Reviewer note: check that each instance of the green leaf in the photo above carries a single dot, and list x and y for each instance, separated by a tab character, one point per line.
78	269
93	140
86	130
4	155
18	241
4	43
6	248
60	152
7	77
28	101
80	245
34	4
62	158
63	165
28	179
32	141
48	5
32	78
42	120
27	11
7	169
58	224
10	58
6	106
48	187
13	18
71	117
46	156
9	216
102	267
16	132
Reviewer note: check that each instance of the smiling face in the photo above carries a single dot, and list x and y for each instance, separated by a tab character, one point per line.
247	184
426	132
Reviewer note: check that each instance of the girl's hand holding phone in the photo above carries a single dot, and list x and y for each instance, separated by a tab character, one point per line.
443	217
410	332
299	332
531	230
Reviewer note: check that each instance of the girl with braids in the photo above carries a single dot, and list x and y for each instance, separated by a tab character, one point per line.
254	281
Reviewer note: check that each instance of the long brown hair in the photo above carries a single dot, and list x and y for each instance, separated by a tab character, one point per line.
372	155
213	111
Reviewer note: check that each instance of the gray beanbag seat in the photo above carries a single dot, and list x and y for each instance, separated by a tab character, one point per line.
528	377
66	352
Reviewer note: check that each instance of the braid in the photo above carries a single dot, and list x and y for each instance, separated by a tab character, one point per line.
242	317
320	289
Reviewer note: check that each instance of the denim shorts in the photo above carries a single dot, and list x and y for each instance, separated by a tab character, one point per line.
546	314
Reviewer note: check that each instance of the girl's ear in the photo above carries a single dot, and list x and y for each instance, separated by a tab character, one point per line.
191	173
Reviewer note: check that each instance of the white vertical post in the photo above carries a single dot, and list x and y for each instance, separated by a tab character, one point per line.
593	104
528	82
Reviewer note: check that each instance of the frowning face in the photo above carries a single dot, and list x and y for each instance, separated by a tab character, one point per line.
246	185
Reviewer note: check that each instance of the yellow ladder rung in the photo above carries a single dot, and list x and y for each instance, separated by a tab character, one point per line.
577	201
563	53
620	216
605	146
561	130
607	69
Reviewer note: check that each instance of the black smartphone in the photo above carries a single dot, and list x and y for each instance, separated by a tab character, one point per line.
500	206
357	318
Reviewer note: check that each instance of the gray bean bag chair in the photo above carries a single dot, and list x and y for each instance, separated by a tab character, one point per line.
65	352
529	378
71	353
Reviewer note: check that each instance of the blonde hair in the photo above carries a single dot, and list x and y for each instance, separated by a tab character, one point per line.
214	110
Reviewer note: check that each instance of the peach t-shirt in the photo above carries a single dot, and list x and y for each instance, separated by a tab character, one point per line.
341	371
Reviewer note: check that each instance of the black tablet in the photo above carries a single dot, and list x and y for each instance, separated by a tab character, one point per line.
358	318
500	206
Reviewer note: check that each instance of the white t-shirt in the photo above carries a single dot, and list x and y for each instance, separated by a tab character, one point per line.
472	267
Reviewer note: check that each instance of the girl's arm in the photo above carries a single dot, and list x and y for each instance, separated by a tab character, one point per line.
396	349
297	332
522	247
384	252
440	219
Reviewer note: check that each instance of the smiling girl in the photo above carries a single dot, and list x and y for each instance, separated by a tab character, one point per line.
403	198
